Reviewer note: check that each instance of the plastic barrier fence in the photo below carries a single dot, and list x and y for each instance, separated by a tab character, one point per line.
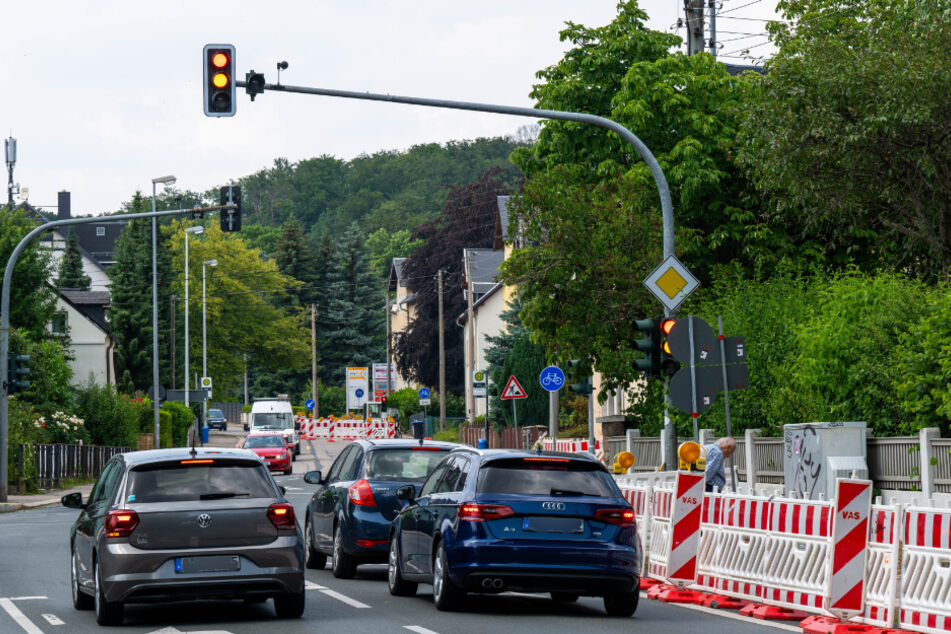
344	429
661	504
881	571
925	597
639	496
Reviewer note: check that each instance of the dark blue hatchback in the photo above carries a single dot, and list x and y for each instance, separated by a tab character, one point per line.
497	520
350	514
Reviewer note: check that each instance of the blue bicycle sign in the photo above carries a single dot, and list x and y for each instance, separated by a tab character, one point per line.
552	378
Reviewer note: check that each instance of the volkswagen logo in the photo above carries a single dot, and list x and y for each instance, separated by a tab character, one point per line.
204	520
553	506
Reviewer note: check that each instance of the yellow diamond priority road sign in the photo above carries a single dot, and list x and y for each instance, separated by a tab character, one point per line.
671	283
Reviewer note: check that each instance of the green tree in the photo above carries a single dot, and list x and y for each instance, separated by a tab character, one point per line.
294	259
385	245
71	274
351	315
849	132
32	299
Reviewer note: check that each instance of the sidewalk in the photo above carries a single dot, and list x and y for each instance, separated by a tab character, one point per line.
43	498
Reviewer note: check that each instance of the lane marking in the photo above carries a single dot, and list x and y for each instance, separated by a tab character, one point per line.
52	619
310	585
418	629
344	598
27	598
19	617
735	617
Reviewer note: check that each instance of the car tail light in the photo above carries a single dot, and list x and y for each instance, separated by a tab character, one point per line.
472	512
361	494
121	523
370	543
426	448
618	517
199	461
282	515
534	459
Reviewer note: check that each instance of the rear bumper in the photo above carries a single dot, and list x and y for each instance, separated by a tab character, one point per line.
141	576
589	584
368	526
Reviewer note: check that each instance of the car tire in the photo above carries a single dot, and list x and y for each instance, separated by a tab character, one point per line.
313	558
446	595
564	597
289	605
621	603
81	600
224	427
289	470
344	566
107	613
399	587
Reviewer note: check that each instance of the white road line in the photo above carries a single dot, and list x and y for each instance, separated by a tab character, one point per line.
310	585
736	617
52	619
19	617
37	598
418	629
344	598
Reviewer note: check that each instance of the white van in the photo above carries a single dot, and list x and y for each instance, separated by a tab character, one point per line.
275	414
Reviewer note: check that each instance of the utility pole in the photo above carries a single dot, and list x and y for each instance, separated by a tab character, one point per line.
470	367
712	14
694	11
313	358
389	344
171	309
442	361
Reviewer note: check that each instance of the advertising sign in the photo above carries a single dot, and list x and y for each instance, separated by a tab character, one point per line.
357	387
380	382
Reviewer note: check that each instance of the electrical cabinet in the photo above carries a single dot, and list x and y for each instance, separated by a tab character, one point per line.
815	454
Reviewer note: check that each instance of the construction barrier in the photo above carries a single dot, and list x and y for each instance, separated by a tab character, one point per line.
881	571
344	429
639	496
925	596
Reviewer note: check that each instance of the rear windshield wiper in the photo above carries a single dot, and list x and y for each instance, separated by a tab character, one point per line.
567	492
219	495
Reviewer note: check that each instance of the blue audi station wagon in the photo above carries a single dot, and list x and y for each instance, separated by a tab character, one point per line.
490	521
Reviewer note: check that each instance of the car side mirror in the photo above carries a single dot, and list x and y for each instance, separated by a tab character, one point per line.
281	489
313	477
407	492
73	501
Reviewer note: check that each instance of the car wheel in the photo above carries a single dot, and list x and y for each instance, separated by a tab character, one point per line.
399	587
81	600
446	595
289	470
224	428
622	603
344	565
107	613
312	557
289	606
564	597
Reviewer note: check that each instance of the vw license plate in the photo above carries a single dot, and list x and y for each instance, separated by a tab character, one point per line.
553	524
212	563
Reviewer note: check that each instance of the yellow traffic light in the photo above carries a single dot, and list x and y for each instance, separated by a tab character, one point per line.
220	80
693	457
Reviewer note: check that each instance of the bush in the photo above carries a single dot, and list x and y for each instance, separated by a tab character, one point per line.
181	420
112	419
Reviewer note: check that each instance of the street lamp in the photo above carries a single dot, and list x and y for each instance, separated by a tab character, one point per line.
196	230
204	334
164	180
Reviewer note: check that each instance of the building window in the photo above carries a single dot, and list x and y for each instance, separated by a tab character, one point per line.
100	231
58	325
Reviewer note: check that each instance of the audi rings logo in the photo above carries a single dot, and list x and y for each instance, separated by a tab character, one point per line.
204	520
553	506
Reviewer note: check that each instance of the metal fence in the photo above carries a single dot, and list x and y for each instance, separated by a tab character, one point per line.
893	462
55	463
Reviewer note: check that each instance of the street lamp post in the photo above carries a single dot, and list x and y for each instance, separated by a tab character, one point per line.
165	180
196	230
204	334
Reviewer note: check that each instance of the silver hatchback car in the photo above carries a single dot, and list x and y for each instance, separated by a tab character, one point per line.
180	524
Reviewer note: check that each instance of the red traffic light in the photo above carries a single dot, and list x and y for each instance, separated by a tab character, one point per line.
219	88
220	60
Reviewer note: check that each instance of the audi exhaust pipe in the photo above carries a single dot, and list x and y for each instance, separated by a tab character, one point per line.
486	583
497	584
493	584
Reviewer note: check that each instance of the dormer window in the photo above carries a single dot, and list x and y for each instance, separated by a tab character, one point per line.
100	232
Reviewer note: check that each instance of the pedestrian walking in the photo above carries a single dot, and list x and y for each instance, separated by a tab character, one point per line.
716	471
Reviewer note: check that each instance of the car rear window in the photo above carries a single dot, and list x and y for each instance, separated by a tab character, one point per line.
541	476
402	464
263	441
216	412
184	481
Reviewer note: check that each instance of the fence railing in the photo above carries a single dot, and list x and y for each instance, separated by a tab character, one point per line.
55	463
510	438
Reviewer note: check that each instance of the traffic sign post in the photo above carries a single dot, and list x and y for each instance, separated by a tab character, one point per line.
513	392
552	378
310	404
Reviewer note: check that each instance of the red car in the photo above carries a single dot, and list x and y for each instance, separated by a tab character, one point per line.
272	449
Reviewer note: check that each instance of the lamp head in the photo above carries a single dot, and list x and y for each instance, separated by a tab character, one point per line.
196	229
164	180
210	263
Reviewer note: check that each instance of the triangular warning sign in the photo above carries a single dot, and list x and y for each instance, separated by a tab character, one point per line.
513	389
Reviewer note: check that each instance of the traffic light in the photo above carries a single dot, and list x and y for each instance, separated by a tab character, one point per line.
650	346
230	218
254	84
17	371
584	387
219	89
668	364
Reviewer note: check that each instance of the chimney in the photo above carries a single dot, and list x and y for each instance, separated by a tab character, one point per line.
63	202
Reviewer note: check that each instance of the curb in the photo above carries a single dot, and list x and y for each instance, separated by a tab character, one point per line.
6	507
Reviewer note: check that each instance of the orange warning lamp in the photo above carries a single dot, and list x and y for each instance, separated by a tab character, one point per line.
623	461
693	457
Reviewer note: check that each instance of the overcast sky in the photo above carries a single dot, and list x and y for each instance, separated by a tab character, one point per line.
103	96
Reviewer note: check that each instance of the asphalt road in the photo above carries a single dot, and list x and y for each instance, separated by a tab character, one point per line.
34	594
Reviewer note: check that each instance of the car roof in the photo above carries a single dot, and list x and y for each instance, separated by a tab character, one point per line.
405	443
499	454
136	458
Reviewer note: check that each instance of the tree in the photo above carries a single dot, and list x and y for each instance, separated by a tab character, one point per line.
849	131
32	299
71	273
351	315
466	221
295	260
385	245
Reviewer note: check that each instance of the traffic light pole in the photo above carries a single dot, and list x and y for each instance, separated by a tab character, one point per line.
5	312
667	211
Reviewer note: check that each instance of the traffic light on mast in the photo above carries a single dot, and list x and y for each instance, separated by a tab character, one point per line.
230	218
650	346
17	372
219	89
668	364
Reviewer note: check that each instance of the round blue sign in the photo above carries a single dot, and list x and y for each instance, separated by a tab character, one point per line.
552	378
359	392
309	403
424	392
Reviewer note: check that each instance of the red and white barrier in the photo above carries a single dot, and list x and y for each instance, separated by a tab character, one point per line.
925	596
570	445
661	504
639	496
845	596
346	429
881	571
